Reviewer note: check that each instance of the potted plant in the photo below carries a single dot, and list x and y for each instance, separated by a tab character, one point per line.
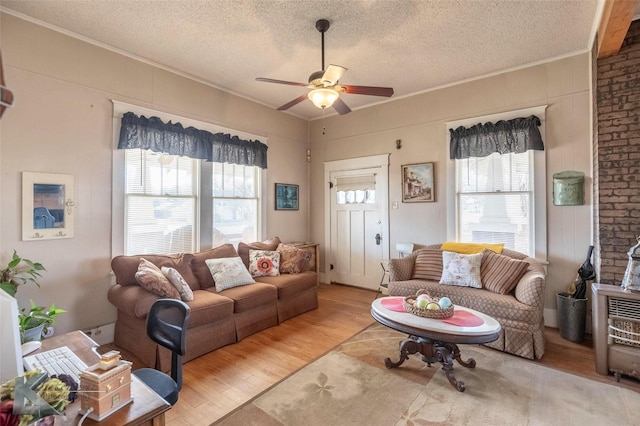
36	322
20	271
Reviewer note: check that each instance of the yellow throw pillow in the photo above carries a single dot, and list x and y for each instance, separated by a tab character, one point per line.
470	248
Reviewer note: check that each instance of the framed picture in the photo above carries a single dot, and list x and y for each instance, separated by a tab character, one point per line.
286	196
418	185
47	206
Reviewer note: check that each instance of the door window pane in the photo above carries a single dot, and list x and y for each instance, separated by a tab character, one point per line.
356	197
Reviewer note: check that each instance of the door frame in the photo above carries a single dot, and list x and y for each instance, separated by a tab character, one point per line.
373	161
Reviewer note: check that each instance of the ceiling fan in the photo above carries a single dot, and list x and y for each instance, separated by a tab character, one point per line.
325	90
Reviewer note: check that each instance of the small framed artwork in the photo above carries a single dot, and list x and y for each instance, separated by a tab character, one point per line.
286	196
418	185
47	206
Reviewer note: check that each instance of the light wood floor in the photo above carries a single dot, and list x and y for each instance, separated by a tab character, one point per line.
221	381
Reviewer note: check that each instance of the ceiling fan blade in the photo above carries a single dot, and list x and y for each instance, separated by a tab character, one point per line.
291	83
333	74
341	107
367	90
296	101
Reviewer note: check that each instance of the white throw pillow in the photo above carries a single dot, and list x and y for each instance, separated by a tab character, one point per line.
461	269
228	272
178	282
264	263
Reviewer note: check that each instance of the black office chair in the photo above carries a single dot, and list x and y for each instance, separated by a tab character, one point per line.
167	326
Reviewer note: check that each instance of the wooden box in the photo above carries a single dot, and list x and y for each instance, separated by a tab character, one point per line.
105	387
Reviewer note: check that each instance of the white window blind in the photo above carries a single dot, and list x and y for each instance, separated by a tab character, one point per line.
160	203
354	183
495	200
236	190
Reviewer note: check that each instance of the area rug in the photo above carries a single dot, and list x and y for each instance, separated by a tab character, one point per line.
350	385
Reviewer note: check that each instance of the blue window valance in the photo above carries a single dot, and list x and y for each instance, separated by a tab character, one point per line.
518	135
174	139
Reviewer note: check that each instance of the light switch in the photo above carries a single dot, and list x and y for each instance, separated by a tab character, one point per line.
394	205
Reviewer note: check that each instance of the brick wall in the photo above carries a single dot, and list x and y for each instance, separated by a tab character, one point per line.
617	157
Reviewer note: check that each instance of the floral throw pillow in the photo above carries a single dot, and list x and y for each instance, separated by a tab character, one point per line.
228	272
151	278
461	269
264	263
293	260
178	282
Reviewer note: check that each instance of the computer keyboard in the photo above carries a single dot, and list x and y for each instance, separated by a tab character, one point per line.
56	361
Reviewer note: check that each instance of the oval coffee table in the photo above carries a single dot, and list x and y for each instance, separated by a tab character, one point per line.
435	339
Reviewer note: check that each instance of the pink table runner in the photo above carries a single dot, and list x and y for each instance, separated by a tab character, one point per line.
459	318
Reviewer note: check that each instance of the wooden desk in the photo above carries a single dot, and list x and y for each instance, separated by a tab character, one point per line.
147	408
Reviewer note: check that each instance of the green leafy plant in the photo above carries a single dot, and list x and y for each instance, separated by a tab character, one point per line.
19	271
37	316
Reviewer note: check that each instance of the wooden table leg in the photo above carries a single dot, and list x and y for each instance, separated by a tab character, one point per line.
433	351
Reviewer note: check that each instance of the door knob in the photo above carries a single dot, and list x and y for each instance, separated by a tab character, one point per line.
378	238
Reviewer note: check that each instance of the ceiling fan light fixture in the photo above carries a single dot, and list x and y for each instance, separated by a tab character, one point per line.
323	97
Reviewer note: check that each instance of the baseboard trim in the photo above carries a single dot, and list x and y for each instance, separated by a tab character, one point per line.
102	334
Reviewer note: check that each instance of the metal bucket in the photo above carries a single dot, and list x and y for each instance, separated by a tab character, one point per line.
572	315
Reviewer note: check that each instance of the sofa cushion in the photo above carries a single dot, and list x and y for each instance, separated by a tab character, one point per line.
402	269
470	248
228	273
178	282
290	285
125	267
503	307
461	269
251	296
133	300
200	268
499	273
293	260
151	278
264	263
243	248
208	307
428	265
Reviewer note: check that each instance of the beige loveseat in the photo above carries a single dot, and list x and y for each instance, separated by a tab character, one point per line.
519	311
217	318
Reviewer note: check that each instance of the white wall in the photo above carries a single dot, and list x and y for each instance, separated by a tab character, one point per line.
61	122
419	121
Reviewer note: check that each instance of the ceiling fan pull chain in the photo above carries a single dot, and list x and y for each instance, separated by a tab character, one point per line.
323	127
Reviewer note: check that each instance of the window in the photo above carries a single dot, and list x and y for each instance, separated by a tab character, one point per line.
495	200
161	198
162	207
235	203
166	203
359	189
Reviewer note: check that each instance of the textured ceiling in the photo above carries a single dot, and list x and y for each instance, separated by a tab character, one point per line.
412	46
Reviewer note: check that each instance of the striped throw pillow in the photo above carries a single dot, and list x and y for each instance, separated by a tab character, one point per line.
428	265
500	274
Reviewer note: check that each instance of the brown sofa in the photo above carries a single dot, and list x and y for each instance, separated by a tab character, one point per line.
519	311
217	319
